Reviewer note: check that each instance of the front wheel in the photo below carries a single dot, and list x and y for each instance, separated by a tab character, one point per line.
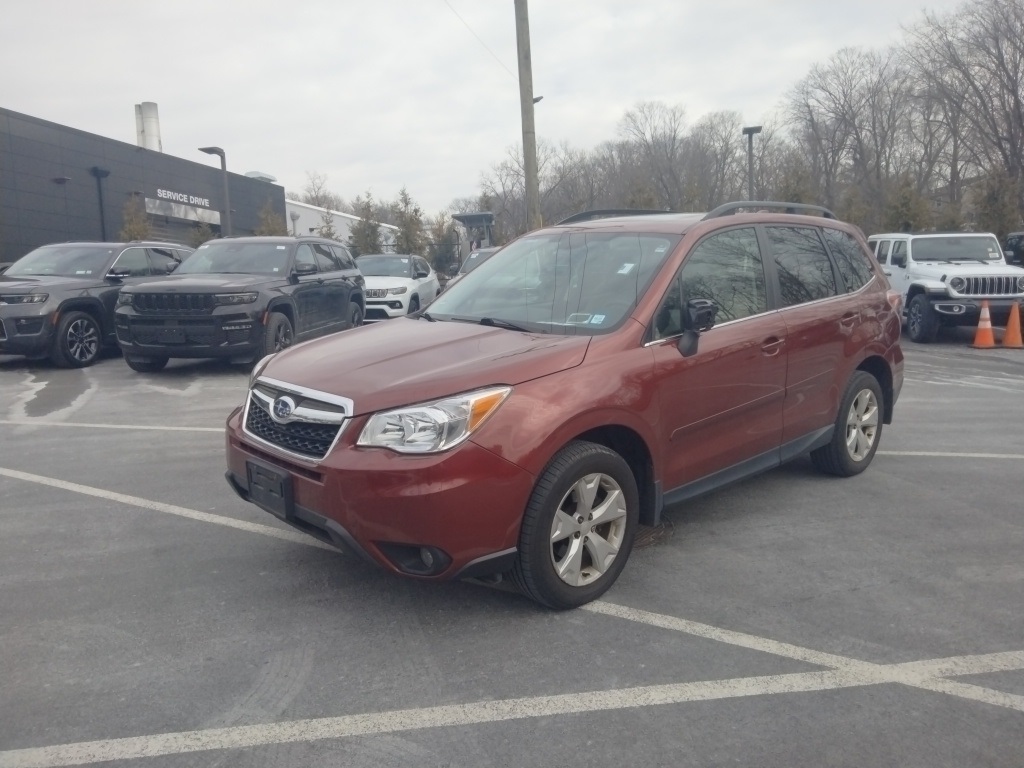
578	527
922	320
279	334
146	364
78	340
858	429
414	305
355	315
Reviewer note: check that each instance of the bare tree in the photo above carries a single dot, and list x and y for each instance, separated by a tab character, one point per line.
658	131
316	193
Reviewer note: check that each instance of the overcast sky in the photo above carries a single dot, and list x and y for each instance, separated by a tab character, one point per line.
380	94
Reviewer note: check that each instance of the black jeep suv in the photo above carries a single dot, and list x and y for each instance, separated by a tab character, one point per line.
241	298
59	299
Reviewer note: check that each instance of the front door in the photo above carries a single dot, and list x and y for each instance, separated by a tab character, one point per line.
723	405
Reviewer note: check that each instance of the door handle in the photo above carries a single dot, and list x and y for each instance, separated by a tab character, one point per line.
772	346
848	319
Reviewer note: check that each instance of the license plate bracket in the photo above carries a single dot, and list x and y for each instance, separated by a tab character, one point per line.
270	489
171	335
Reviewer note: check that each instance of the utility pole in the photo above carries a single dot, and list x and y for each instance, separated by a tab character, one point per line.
749	132
526	106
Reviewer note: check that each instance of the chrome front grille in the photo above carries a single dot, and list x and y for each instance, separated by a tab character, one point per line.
376	293
307	426
990	286
174	303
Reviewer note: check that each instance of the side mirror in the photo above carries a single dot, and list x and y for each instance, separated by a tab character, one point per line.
899	260
305	269
117	274
698	316
420	275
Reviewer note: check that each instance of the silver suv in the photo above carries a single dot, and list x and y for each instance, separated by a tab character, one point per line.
944	277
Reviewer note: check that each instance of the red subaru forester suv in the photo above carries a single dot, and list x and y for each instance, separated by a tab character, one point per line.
575	384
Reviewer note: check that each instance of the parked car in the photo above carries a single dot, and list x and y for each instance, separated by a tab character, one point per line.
473	260
241	298
58	300
943	279
571	387
397	284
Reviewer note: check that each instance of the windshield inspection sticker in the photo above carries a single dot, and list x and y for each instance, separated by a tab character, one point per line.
597	319
281	247
625	269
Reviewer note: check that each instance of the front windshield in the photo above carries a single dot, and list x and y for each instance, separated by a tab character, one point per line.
382	265
224	257
956	247
579	283
64	261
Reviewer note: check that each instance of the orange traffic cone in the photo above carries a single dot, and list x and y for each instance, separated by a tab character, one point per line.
1011	339
984	338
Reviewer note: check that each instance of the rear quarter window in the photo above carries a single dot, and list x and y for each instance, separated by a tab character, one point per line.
853	262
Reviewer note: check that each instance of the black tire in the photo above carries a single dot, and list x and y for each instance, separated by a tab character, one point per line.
922	320
414	305
602	475
146	364
78	341
355	315
280	334
858	429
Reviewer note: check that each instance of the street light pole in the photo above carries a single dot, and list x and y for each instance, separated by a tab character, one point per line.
226	224
526	102
749	133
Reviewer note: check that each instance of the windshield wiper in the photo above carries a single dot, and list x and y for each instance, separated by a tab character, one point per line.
499	323
428	316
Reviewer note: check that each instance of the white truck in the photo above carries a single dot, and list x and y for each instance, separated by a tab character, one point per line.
944	277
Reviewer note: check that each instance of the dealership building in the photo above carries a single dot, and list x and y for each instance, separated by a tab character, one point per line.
60	184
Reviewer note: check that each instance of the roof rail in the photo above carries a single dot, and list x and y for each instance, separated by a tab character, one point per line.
729	208
600	214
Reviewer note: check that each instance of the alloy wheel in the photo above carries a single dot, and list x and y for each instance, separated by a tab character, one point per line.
588	529
862	425
83	340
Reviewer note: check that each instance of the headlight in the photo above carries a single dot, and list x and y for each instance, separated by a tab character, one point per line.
124	299
1020	284
397	291
236	298
432	427
23	298
958	284
258	369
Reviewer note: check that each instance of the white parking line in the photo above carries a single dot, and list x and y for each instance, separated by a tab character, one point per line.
842	672
42	423
168	509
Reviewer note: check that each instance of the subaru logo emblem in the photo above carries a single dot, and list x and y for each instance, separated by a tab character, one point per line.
282	409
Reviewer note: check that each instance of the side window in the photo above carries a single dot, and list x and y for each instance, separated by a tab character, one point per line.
304	255
725	268
853	263
133	262
341	253
164	260
899	251
420	265
882	251
325	258
803	266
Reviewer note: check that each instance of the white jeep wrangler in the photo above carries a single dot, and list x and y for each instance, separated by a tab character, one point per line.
944	278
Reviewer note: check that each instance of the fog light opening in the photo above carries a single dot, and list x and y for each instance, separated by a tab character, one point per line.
416	560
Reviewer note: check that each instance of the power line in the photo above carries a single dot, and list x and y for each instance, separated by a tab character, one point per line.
479	39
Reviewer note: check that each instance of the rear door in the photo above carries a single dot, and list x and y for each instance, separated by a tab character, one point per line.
823	321
336	289
722	406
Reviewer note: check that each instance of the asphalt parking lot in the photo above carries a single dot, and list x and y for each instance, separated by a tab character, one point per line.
149	617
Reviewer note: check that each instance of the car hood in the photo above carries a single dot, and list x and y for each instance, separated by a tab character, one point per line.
406	361
200	283
965	267
377	281
43	283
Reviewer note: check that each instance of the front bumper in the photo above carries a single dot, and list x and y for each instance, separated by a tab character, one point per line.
385	309
25	334
465	505
967	310
227	335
